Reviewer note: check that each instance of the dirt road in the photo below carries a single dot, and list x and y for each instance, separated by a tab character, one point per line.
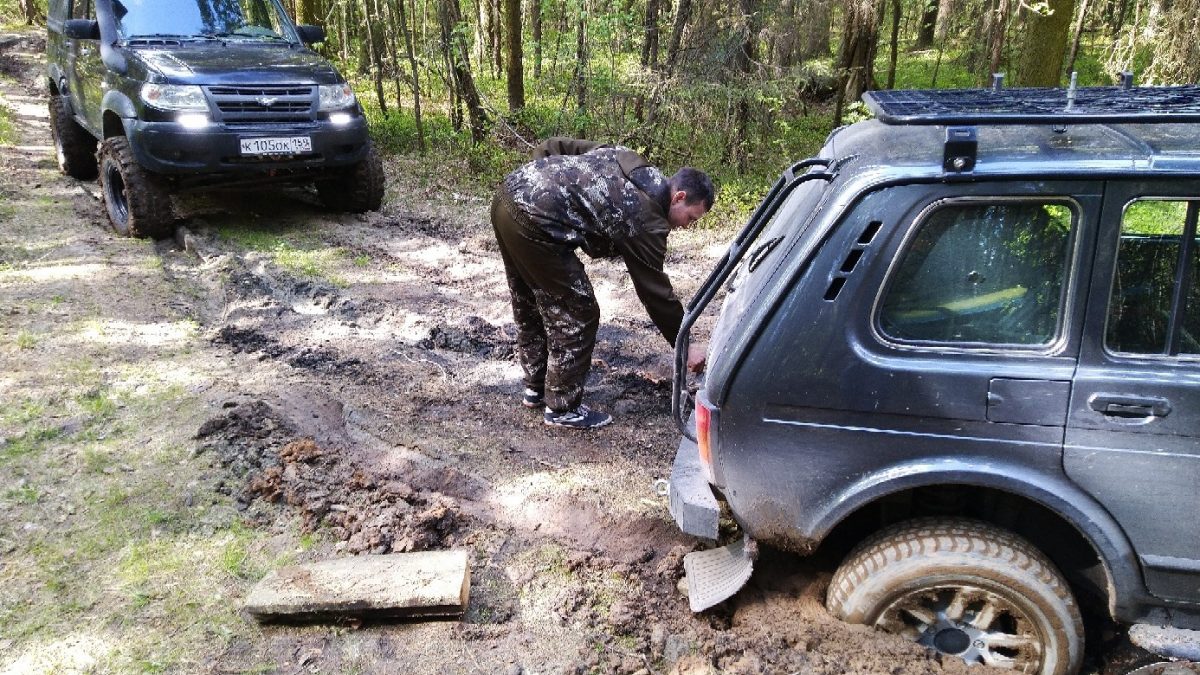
281	384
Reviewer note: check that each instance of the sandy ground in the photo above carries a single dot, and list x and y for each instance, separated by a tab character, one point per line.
375	402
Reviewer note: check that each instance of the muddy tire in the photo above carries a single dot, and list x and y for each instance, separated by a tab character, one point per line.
137	201
74	147
358	189
965	589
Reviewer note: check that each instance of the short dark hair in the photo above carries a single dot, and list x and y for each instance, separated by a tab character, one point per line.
697	185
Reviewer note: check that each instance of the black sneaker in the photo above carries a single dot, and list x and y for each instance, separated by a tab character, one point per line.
581	417
532	398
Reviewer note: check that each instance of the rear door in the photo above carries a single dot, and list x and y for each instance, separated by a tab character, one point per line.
1133	433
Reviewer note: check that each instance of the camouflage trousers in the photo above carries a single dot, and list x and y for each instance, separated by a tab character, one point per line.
553	306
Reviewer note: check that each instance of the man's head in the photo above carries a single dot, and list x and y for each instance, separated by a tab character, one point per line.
692	195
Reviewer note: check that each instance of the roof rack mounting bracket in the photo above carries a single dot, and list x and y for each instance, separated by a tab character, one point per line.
961	149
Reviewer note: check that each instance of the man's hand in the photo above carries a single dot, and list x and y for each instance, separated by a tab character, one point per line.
697	354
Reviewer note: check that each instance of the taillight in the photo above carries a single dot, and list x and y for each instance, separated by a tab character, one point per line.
705	427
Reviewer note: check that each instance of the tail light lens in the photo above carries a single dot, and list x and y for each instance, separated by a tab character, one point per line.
706	427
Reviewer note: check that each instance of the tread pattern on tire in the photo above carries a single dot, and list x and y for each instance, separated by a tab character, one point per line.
148	201
78	146
359	189
927	538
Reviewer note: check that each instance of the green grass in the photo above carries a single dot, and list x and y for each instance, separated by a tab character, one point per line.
298	252
8	129
26	340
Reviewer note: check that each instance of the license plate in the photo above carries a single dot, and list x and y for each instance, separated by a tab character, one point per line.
292	145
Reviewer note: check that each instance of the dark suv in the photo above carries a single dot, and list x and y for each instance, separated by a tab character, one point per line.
183	94
964	342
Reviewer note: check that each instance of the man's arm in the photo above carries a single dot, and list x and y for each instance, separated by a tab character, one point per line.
644	256
561	145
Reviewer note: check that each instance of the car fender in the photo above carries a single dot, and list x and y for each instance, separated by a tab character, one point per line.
119	104
1058	494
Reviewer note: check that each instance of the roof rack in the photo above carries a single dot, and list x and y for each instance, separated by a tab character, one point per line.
1105	105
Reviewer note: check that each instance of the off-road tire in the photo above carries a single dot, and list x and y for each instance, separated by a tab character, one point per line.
358	189
137	201
918	564
74	147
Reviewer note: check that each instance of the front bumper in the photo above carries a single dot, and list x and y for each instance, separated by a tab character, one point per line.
168	148
690	497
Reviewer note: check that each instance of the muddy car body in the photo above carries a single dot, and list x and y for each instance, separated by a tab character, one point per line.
965	336
157	97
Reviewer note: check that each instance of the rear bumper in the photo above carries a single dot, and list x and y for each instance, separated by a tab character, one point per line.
168	148
690	498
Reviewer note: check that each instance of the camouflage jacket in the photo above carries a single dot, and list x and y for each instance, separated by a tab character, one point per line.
608	201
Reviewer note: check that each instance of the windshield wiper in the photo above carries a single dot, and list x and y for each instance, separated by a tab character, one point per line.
249	36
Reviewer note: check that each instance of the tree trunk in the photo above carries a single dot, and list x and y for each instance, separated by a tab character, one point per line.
894	43
996	38
398	7
650	31
1077	36
31	12
581	62
535	12
945	14
814	41
783	51
929	18
683	10
373	55
1044	45
310	12
859	40
497	40
458	58
516	69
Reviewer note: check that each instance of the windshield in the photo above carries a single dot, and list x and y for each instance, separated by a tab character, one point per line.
227	19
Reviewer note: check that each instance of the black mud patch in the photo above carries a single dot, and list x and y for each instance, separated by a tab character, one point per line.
315	359
475	336
249	341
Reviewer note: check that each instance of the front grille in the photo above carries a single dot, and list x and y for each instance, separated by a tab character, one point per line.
259	104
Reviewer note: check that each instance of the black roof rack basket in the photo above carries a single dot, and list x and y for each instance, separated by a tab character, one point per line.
1094	105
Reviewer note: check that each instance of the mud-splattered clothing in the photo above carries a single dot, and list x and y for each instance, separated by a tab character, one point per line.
577	194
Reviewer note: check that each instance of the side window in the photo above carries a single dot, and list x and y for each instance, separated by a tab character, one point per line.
982	274
1155	302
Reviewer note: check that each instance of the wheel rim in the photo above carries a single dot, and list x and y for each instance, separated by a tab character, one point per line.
974	624
114	194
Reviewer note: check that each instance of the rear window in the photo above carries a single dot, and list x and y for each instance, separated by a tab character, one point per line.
980	273
1155	302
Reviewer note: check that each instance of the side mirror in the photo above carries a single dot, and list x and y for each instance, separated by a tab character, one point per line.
310	34
82	29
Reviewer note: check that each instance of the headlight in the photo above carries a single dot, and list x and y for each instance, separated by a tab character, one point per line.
175	97
335	96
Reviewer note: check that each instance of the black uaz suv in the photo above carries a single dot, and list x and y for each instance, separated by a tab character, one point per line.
164	95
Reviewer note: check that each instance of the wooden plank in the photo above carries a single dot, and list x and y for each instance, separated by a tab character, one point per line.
424	584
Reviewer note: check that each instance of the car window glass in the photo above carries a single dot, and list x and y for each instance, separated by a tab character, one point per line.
248	19
82	9
1189	342
1147	274
982	274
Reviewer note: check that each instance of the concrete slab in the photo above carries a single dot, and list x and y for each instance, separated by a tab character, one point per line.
424	584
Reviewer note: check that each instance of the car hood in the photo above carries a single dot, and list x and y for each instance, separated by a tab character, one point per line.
230	63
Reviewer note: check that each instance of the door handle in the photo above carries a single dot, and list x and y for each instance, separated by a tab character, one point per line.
1129	407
